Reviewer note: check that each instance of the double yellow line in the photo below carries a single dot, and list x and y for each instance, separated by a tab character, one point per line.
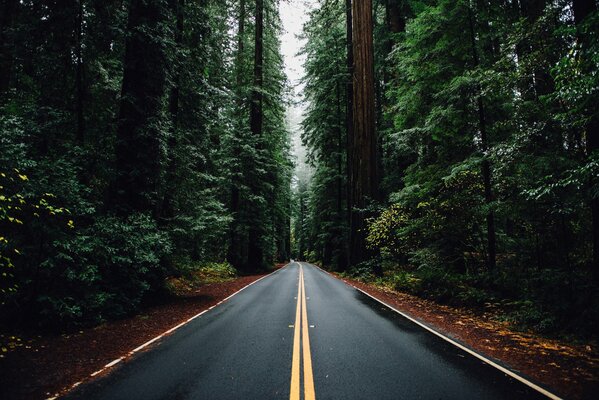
305	338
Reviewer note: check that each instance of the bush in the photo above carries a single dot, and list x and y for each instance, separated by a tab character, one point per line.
525	314
362	272
103	272
404	281
192	275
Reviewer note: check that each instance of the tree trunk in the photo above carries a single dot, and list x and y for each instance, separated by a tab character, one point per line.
349	114
396	21
301	246
582	9
255	251
234	252
167	208
486	167
139	136
288	233
175	89
341	145
532	10
8	8
363	142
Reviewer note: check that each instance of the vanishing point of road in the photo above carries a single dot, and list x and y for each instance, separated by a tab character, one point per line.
298	334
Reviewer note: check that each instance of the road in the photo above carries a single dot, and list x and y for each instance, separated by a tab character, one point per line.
302	334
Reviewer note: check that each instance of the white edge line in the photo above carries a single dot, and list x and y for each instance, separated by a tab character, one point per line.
110	364
174	328
462	347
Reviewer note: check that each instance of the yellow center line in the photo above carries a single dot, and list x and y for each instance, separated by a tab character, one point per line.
308	378
294	393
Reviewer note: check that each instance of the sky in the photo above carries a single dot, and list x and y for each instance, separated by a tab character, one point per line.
294	14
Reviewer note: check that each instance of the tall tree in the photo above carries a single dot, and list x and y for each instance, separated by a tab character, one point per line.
234	251
349	113
363	177
140	134
255	250
484	139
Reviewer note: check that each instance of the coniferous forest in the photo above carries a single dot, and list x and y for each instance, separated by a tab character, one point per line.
461	161
453	152
140	139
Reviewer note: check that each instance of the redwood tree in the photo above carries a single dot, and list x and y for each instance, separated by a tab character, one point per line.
255	250
363	177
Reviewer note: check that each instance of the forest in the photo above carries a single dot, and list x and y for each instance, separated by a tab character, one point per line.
462	166
139	140
453	152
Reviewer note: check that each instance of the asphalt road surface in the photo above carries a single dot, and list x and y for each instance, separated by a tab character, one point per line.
302	334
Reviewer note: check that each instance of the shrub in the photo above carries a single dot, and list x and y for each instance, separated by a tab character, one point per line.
103	272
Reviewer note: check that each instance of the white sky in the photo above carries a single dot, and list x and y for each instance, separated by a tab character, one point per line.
294	15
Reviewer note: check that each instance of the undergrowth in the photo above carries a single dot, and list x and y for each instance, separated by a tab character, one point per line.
553	304
192	276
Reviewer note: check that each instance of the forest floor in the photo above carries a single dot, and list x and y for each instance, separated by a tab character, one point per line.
43	366
569	370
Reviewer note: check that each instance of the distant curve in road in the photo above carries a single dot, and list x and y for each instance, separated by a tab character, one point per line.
253	347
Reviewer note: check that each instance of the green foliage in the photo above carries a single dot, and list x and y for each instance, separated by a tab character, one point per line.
117	189
193	275
324	135
108	268
259	166
384	232
404	281
535	74
15	211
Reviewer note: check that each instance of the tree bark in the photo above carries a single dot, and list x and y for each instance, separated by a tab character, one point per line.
363	142
255	251
349	114
582	9
341	145
234	252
